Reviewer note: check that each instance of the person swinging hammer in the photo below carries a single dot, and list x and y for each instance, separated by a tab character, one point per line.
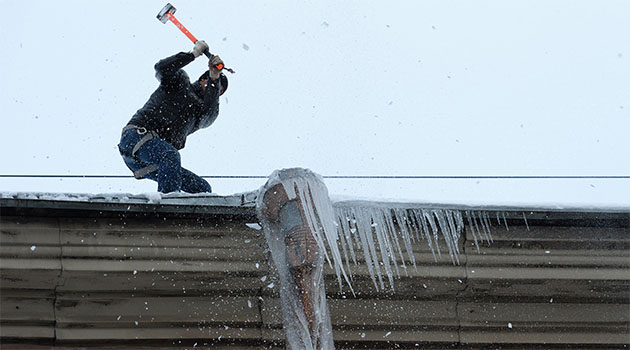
150	142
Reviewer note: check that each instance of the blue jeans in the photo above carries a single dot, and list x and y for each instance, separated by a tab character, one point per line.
170	175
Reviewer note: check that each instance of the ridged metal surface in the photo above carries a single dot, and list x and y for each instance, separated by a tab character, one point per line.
130	279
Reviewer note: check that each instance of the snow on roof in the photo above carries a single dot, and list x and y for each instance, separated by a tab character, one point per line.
181	203
247	200
512	206
127	198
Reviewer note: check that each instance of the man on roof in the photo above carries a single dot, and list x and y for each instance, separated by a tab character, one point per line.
151	141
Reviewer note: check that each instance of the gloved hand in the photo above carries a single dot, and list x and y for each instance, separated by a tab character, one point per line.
200	47
215	73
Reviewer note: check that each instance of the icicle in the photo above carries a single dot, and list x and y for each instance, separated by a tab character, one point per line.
364	230
344	246
485	225
385	253
390	237
489	224
460	221
351	238
505	221
525	218
393	236
472	229
448	235
476	223
406	236
429	218
419	217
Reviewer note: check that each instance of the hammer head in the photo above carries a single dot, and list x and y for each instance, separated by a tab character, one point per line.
167	9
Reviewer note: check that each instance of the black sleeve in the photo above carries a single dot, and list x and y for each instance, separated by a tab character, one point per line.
166	70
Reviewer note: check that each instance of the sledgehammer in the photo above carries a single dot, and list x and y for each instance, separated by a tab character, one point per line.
167	14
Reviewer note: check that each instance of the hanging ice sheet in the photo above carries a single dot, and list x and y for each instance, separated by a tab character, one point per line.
381	232
385	234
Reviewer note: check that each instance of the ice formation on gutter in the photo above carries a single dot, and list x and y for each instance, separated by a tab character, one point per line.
290	206
385	236
376	234
313	194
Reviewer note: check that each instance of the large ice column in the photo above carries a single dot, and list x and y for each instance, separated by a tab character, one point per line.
296	214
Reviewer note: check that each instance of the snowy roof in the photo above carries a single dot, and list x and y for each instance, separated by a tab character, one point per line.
237	204
244	203
394	203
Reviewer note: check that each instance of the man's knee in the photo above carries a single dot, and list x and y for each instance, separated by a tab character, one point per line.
171	158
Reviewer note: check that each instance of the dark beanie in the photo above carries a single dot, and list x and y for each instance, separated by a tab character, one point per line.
222	77
205	75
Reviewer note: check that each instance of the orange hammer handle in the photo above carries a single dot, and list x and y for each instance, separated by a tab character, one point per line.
181	27
193	39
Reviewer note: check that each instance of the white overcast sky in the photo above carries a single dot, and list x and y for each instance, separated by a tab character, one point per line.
339	87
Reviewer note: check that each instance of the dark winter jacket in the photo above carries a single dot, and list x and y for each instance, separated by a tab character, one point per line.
178	107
